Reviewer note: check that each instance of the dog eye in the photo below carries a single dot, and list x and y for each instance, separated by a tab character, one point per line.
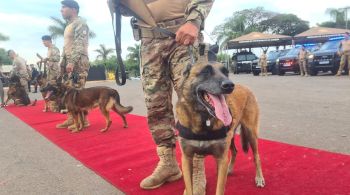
208	70
224	71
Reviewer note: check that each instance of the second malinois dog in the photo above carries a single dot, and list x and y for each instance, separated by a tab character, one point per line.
79	101
17	93
209	110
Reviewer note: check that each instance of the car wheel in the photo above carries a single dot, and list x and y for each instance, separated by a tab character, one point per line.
313	71
256	73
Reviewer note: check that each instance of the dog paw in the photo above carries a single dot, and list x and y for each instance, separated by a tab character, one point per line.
103	130
260	182
126	126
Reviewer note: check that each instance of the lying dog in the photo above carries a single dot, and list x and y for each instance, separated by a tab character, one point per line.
209	112
79	101
17	93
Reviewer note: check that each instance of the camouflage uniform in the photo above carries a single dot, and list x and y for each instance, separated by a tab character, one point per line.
263	64
162	62
302	62
53	58
20	69
75	51
345	56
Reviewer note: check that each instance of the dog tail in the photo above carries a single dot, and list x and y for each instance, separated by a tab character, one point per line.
245	138
34	102
120	108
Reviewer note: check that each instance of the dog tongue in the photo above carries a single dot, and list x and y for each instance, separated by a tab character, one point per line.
48	94
221	109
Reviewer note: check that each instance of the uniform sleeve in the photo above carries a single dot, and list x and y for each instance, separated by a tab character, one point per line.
55	55
81	33
197	11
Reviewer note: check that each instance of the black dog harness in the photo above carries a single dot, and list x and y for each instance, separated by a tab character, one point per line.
208	135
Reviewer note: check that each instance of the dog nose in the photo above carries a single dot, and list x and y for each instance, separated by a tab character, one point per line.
227	86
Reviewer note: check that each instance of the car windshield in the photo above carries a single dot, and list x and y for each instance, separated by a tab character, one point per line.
241	58
272	55
251	57
293	52
330	45
283	52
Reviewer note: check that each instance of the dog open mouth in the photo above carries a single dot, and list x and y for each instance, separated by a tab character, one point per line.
217	106
48	95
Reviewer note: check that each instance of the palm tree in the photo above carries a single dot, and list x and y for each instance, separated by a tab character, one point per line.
134	52
103	52
57	29
3	37
338	15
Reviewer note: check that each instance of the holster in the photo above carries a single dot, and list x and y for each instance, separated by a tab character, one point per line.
136	31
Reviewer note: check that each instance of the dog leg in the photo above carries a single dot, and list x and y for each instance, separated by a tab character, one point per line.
259	178
108	120
187	174
76	122
222	174
121	115
233	156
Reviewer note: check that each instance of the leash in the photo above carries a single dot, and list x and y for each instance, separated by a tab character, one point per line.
120	74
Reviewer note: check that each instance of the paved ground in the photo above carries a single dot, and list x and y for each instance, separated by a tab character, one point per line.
306	111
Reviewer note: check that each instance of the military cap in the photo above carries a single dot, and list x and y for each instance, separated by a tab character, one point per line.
71	4
46	38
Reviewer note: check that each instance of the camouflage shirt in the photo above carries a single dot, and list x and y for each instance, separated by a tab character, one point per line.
76	40
53	54
20	68
197	11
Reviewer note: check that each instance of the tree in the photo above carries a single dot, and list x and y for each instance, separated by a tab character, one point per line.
132	63
338	18
57	29
4	59
103	53
242	22
285	24
3	37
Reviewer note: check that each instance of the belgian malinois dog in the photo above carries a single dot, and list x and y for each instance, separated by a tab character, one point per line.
79	101
209	110
42	82
17	93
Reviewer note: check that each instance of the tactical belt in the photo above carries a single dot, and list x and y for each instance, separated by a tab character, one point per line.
209	135
164	29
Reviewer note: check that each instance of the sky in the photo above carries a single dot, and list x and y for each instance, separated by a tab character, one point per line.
25	21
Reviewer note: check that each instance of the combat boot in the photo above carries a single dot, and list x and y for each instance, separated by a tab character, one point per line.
86	124
198	175
66	123
338	74
167	169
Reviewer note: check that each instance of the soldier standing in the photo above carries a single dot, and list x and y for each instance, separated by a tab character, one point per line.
302	61
19	69
52	60
344	51
263	63
162	61
75	59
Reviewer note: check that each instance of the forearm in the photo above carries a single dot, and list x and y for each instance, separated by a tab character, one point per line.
197	11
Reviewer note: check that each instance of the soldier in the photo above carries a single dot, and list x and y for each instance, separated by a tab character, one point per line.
52	60
19	68
344	52
162	61
263	63
75	61
33	79
302	61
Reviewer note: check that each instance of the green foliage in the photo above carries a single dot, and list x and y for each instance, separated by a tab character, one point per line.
57	29
241	23
338	18
4	59
3	37
285	24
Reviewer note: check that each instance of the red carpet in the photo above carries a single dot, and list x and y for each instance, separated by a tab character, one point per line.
125	156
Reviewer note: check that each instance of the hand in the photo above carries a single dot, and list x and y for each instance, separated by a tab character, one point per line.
187	34
69	67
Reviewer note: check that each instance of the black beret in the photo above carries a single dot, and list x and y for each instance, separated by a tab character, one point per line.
46	38
71	4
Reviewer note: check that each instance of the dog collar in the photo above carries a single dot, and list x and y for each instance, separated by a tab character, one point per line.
187	133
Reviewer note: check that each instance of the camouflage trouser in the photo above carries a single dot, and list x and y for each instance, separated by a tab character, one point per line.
302	66
345	58
162	62
263	67
52	72
24	83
